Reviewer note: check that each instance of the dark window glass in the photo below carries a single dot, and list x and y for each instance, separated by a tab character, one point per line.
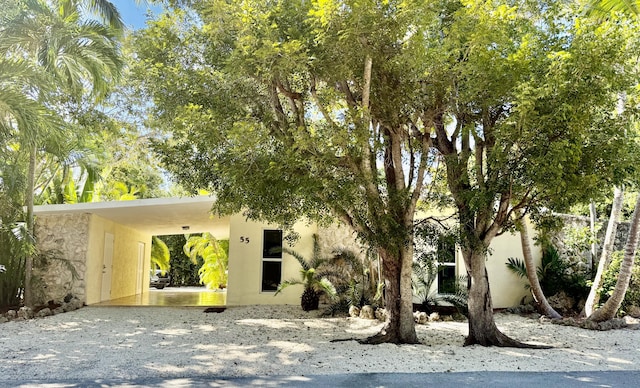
447	250
447	279
271	275
272	244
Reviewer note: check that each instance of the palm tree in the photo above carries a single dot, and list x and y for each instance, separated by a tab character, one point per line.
531	270
607	249
213	272
68	50
630	7
313	281
160	255
611	306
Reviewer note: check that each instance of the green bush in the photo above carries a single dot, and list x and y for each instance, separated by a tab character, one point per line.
554	274
183	272
610	277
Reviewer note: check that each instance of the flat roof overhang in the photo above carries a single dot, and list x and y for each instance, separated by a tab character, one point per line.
156	216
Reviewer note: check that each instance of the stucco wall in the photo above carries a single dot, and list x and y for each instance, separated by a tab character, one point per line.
63	245
125	259
507	289
245	263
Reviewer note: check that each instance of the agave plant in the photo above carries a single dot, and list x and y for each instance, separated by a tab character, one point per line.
314	281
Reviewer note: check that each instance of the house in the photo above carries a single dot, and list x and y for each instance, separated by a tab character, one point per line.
101	251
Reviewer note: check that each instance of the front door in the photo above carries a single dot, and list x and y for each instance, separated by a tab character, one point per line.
107	267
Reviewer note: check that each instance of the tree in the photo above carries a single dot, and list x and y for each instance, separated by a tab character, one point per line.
338	109
297	132
73	53
528	135
607	249
611	306
532	271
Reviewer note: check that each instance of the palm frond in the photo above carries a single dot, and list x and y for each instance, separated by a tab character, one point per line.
285	284
517	266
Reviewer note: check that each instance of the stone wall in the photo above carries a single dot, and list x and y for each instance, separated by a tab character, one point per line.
586	261
59	271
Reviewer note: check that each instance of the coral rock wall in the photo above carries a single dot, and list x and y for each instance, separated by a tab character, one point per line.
59	270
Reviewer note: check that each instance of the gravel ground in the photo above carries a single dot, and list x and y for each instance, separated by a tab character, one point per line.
140	342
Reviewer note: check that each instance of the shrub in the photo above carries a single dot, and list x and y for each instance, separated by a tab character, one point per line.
610	277
554	274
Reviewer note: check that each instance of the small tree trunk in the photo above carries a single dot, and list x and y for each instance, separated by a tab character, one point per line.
28	267
400	326
607	249
482	328
610	308
592	229
532	273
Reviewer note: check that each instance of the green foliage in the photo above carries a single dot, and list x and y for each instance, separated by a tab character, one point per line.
424	274
577	242
555	274
345	109
160	257
14	248
312	278
355	281
215	259
610	277
435	245
183	271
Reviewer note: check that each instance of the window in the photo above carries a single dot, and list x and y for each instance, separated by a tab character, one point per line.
447	278
271	259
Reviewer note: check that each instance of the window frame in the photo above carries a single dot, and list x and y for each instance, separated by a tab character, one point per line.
453	253
269	258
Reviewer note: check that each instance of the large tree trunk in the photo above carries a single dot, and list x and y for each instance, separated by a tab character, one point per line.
607	249
400	326
482	328
610	308
532	273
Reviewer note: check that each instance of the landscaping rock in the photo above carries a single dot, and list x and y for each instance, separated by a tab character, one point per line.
367	312
381	314
634	311
562	303
45	312
354	311
25	312
420	317
434	317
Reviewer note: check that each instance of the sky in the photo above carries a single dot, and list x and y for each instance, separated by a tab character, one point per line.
134	15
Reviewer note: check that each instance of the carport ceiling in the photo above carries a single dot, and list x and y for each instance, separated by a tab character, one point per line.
157	216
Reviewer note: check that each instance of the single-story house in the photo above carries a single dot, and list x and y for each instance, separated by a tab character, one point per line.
101	251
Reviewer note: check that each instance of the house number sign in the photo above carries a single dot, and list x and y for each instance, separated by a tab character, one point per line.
244	240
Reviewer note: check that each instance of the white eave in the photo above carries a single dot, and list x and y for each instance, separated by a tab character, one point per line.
157	216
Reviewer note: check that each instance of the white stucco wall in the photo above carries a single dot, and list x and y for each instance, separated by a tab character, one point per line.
507	289
245	263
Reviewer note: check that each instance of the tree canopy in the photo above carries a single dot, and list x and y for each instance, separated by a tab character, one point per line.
344	109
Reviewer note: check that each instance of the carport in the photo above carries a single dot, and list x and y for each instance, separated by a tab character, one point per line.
109	244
